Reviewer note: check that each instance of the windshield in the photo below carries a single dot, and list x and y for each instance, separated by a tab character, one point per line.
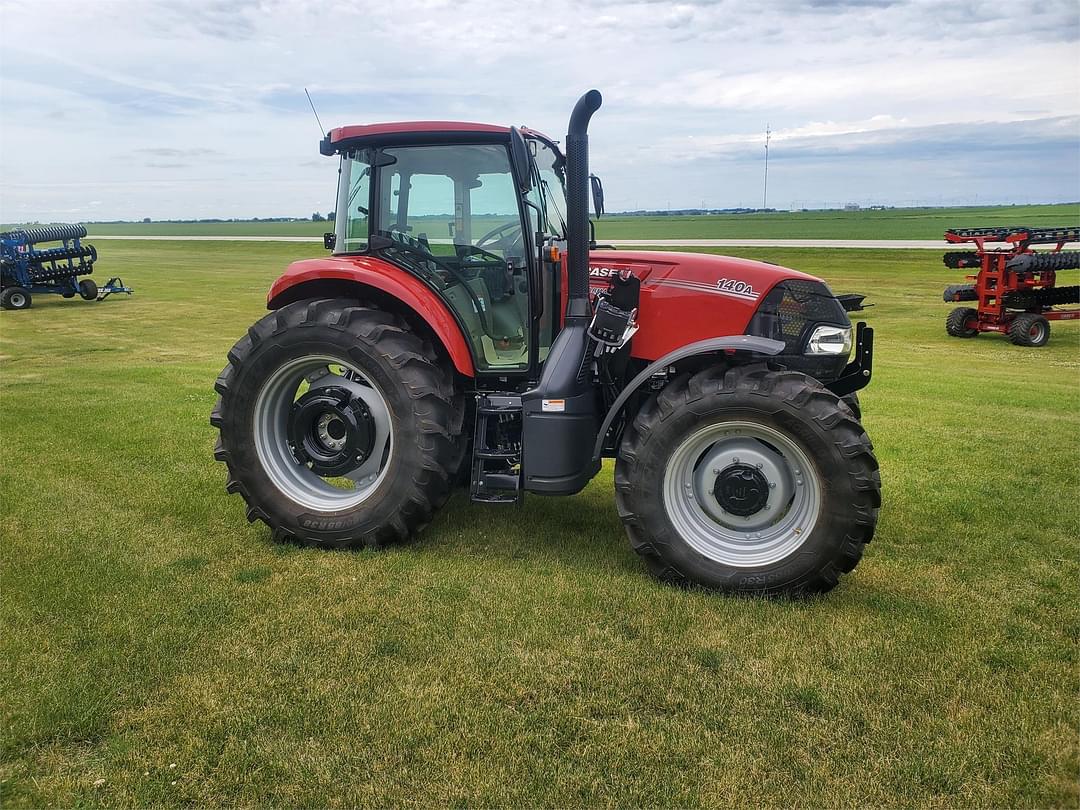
551	188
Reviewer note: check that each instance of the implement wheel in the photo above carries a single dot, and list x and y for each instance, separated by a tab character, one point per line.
340	428
15	298
749	481
88	289
957	322
1029	330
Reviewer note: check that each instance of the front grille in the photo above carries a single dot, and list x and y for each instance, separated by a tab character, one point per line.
792	309
789	313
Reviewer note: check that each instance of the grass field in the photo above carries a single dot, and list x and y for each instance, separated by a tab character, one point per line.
898	223
157	650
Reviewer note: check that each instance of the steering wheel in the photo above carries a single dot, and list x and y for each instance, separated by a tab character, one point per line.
465	251
396	233
499	238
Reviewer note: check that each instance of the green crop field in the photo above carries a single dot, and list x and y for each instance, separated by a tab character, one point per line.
896	223
157	650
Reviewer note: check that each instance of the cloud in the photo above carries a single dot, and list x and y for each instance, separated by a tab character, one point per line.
207	95
196	152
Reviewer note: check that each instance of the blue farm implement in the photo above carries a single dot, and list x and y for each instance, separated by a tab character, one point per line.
26	270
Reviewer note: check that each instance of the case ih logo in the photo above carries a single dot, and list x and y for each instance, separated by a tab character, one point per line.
605	272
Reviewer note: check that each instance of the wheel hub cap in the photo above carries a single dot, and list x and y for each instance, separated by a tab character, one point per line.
741	490
332	430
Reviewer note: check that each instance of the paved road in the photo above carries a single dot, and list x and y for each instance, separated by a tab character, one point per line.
874	244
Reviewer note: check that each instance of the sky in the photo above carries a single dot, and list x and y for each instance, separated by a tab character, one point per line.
169	109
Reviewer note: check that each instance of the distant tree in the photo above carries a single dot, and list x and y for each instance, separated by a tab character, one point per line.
317	217
146	219
331	216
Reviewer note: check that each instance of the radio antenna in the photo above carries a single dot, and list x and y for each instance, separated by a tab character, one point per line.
765	190
312	103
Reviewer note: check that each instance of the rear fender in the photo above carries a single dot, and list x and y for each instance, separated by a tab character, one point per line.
355	275
732	343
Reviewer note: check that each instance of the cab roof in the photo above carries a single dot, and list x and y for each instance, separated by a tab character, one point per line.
372	130
399	132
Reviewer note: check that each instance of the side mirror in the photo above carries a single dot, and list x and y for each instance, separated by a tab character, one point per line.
519	156
329	240
597	195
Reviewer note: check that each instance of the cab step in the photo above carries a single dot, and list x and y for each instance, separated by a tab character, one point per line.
496	456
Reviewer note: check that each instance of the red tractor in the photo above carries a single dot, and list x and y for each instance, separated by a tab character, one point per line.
463	334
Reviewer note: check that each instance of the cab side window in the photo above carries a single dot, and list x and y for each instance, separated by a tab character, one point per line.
354	192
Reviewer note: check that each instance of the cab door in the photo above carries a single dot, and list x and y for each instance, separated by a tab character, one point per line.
546	212
452	214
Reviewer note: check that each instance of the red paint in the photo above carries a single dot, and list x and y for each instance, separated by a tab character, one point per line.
392	280
348	133
681	297
400	127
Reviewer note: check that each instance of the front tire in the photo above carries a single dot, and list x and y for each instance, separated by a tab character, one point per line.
339	426
88	289
747	480
852	401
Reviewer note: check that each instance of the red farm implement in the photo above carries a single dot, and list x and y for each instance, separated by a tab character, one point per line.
1015	288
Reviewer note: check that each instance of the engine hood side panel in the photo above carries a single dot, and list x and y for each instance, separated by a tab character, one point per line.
688	297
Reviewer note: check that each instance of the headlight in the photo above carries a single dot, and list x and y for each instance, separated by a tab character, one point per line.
829	340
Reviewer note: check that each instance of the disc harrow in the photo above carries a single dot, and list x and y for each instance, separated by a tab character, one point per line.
26	269
1015	288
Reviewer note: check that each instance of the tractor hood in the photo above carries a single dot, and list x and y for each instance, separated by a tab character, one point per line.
686	297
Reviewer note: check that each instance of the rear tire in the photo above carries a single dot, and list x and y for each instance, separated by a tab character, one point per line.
957	322
15	298
1029	329
810	524
88	289
376	354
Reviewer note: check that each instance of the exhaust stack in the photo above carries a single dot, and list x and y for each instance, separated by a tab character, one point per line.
559	415
577	204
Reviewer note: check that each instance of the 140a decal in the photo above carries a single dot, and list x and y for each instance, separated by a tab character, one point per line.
735	286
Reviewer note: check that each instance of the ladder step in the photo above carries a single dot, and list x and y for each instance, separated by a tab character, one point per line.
502	482
496	476
491	497
497	454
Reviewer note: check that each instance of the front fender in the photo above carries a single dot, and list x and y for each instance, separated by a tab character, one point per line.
373	273
735	343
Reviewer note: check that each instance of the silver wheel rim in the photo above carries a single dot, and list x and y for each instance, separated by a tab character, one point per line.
18	300
297	481
775	531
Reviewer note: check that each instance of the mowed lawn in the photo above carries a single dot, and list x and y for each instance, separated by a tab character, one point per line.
159	650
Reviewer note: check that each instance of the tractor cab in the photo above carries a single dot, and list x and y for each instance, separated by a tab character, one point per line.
465	208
